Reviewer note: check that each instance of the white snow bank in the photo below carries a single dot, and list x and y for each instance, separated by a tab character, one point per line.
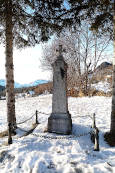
32	154
102	86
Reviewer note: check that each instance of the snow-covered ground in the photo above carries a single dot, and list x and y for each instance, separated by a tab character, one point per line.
102	86
33	154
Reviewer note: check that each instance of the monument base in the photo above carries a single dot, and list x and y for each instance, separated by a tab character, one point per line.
60	123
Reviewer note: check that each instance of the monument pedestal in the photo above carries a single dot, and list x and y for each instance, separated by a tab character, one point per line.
60	123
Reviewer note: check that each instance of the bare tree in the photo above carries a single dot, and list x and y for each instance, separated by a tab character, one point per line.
84	51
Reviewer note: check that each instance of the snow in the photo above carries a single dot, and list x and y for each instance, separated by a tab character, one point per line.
35	154
102	86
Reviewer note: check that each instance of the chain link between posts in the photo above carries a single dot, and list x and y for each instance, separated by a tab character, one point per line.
26	119
32	117
57	137
45	114
52	137
60	137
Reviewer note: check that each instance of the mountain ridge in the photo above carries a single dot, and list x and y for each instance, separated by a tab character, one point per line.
18	85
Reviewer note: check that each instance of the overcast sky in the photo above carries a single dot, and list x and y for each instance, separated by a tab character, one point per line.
27	67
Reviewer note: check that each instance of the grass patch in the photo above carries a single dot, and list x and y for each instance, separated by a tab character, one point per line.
4	133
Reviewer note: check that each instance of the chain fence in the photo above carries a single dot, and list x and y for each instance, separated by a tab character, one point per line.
72	136
39	112
43	113
57	137
93	132
26	120
52	137
35	114
60	137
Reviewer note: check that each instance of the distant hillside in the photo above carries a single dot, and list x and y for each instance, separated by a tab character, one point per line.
2	88
104	65
36	90
104	70
35	83
17	85
102	73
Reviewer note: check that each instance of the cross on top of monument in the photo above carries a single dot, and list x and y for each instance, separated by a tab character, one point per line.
60	50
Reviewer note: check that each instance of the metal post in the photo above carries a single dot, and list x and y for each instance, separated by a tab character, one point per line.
37	117
9	134
96	146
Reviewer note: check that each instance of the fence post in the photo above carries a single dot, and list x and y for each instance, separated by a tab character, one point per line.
37	117
95	135
94	124
96	146
9	134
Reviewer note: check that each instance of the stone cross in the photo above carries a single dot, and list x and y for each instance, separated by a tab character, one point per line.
60	119
60	50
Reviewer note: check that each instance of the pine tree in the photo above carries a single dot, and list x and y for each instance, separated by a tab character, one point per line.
9	66
14	31
101	15
112	128
19	27
102	19
28	22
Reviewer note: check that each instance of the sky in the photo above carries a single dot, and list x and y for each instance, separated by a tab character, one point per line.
27	65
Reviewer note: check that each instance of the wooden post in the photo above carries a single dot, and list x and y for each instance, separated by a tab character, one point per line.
37	117
95	135
9	134
94	124
96	146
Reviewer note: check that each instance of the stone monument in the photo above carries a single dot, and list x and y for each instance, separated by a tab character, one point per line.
60	119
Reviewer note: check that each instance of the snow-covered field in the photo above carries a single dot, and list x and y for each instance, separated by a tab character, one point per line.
102	86
32	154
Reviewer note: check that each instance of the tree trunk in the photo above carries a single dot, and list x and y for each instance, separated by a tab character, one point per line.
112	128
10	97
